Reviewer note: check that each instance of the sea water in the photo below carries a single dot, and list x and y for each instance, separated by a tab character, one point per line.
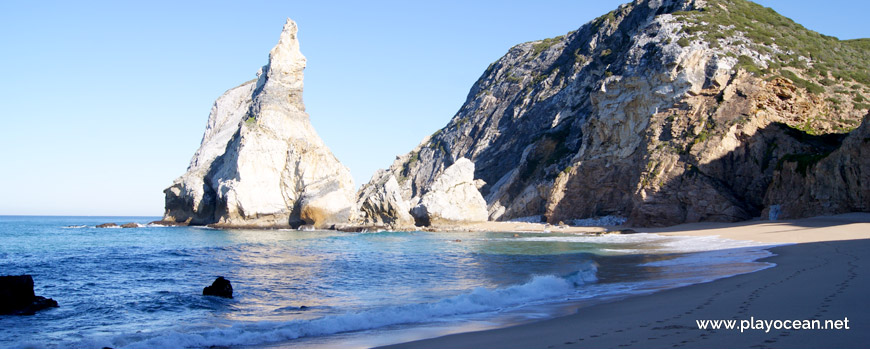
142	287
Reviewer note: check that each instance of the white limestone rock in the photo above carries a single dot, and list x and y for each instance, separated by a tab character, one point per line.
452	198
381	204
261	164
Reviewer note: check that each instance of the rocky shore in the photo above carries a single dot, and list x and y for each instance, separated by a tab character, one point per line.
646	114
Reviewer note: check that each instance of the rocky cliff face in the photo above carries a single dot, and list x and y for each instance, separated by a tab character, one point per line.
824	181
261	164
662	112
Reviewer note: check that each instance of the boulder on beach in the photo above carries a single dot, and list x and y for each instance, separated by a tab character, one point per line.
17	297
221	287
453	198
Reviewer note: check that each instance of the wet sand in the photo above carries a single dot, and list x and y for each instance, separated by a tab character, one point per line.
824	276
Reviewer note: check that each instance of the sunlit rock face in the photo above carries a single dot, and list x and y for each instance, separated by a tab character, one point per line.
452	198
260	163
381	203
660	112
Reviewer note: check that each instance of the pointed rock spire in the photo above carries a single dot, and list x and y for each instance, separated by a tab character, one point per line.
265	164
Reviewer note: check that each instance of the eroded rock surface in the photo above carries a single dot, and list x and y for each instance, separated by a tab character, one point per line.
381	203
261	164
822	182
649	113
451	198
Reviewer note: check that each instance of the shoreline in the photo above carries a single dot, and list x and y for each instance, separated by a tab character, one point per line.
763	231
823	273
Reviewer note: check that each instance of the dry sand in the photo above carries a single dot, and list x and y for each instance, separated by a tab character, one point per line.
826	276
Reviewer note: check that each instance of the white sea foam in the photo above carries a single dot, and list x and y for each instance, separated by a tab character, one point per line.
652	243
609	220
476	301
714	257
533	219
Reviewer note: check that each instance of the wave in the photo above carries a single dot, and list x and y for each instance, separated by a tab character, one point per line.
653	243
609	220
716	257
478	300
535	219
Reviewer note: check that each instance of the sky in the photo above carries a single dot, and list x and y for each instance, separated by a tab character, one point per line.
103	103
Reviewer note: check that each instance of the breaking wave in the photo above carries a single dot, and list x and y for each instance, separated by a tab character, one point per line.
478	300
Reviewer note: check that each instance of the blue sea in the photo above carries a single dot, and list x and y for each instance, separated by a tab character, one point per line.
142	287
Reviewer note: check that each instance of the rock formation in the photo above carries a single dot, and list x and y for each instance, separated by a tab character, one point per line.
824	181
661	112
17	296
221	287
452	198
260	163
381	203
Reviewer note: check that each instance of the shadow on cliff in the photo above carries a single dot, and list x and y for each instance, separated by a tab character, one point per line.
734	186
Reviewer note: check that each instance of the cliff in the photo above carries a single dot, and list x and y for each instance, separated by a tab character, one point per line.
660	112
260	163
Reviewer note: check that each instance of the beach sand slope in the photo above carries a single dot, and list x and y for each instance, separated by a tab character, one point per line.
826	278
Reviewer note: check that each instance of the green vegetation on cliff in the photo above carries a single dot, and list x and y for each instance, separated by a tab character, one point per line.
822	59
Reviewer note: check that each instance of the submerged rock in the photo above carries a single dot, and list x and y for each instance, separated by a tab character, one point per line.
130	225
17	296
108	225
221	287
260	163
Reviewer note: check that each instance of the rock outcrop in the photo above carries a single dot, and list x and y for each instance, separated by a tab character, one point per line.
221	287
381	203
823	181
452	198
17	296
661	112
260	163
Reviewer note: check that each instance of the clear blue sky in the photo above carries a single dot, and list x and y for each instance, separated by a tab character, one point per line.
104	103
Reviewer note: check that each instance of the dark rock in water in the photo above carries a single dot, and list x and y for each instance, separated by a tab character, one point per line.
220	288
619	232
107	225
130	225
17	297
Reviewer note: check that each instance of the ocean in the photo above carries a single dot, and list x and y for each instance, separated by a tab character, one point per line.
142	287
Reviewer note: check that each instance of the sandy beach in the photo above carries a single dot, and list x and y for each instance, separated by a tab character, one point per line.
824	275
